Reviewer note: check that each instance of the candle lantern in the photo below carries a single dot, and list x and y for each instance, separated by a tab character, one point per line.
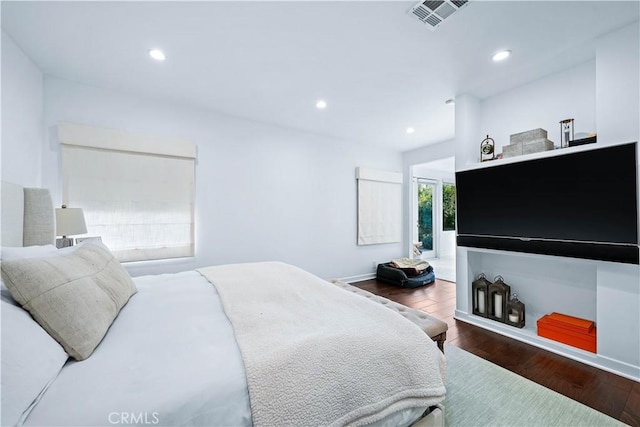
566	132
480	295
515	312
499	293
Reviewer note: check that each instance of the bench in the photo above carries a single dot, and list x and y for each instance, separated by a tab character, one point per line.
436	329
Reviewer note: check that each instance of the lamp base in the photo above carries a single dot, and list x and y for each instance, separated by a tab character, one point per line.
64	242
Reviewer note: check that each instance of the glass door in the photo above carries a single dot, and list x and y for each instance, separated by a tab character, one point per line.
424	239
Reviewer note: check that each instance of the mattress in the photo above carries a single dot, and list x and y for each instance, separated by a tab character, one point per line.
170	358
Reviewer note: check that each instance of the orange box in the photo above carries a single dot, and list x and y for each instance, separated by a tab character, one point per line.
575	324
569	330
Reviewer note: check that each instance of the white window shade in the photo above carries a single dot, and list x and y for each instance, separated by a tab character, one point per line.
379	206
141	203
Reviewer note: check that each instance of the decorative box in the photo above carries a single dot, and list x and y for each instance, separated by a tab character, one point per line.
512	150
573	331
520	148
531	141
537	146
528	136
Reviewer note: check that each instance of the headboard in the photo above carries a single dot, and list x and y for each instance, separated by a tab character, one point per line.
27	216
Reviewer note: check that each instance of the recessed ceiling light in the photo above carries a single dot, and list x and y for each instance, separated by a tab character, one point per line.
157	54
410	130
321	104
450	101
499	56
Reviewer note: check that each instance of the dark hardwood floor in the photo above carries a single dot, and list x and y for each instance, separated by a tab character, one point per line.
611	394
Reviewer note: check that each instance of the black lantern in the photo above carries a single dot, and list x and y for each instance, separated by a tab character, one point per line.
515	312
480	295
499	293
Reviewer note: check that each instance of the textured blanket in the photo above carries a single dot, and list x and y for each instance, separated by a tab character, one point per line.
317	355
407	265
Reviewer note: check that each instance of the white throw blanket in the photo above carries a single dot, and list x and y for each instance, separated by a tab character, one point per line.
316	355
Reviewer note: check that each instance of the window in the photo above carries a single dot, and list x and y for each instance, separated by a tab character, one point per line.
137	191
448	207
379	206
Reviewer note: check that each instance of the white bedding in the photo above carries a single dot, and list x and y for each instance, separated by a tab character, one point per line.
170	356
347	360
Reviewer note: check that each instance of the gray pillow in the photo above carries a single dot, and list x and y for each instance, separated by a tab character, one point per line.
74	296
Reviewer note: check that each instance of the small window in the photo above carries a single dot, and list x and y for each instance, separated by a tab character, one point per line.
448	207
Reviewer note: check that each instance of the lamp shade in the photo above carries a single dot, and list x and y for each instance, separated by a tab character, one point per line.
70	221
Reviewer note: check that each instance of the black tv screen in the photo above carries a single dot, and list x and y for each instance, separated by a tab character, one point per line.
576	200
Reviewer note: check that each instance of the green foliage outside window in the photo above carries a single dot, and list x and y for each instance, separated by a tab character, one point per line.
449	207
425	212
425	216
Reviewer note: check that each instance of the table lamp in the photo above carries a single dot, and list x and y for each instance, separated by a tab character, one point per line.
69	221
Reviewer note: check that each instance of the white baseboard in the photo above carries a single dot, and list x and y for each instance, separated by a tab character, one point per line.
358	278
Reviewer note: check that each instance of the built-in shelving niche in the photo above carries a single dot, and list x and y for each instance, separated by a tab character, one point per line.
608	293
544	283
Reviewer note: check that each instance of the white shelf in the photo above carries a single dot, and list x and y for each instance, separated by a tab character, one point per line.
535	156
529	335
604	292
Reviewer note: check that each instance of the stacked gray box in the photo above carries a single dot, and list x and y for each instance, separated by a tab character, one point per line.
531	141
528	136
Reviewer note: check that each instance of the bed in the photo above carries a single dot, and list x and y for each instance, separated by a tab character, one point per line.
263	344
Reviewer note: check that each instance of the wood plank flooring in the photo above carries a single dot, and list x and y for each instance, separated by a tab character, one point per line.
611	394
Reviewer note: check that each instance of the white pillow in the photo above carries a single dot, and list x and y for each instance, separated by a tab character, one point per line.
15	252
74	296
31	360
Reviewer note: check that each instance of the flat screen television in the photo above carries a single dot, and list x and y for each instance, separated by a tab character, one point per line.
582	204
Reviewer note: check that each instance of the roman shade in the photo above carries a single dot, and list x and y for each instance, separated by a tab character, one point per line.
136	190
379	206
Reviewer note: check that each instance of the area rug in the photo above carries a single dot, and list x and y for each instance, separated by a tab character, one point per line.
480	393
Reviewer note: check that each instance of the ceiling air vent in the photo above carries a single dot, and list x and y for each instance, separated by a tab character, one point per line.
435	12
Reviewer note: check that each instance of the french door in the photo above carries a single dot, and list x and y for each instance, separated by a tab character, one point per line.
425	218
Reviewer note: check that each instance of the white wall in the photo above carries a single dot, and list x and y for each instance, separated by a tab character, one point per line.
618	85
618	89
428	153
423	171
263	192
542	104
22	131
468	133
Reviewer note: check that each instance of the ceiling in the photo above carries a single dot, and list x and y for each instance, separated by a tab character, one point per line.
379	69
